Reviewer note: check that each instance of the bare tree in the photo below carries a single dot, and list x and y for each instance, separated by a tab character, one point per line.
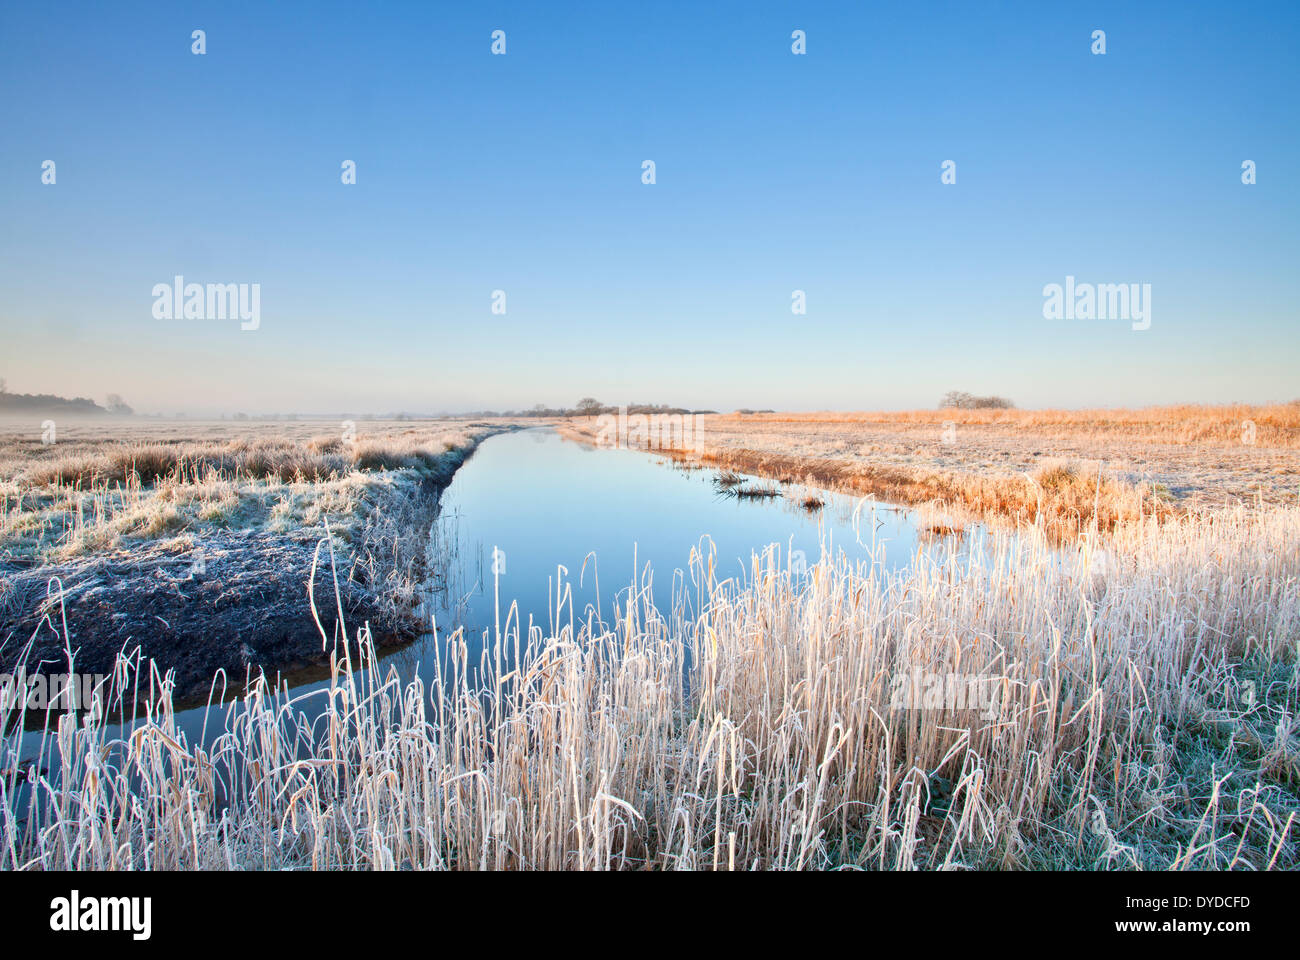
589	406
117	405
961	400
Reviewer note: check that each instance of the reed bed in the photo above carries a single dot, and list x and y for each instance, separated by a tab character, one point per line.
1144	717
1071	498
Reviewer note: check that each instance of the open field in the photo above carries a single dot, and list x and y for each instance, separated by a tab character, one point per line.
1134	707
1069	466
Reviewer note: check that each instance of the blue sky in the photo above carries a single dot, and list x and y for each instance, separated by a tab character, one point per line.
775	172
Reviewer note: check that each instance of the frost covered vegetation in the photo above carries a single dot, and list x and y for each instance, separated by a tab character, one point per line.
1145	715
82	495
194	542
1069	468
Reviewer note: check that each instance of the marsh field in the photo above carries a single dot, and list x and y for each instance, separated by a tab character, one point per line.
954	639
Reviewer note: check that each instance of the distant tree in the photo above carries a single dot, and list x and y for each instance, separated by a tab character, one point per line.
961	400
4	385
117	405
589	406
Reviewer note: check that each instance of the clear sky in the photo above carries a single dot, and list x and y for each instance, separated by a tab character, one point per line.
523	173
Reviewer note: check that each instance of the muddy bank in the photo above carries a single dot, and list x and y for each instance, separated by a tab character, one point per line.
234	602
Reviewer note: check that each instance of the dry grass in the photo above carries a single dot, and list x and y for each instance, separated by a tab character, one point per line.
376	494
1277	425
320	458
1145	715
95	493
1072	468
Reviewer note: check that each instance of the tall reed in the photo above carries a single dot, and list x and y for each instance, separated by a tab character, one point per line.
1143	715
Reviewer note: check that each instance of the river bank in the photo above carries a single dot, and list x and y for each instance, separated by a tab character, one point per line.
209	553
1070	469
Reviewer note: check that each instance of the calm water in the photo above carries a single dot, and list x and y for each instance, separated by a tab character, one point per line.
545	503
539	502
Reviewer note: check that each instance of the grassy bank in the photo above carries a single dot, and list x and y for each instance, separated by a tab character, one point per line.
193	544
175	486
1140	709
61	500
1072	470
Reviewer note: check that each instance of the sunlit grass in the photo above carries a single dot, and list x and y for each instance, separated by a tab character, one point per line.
1155	460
